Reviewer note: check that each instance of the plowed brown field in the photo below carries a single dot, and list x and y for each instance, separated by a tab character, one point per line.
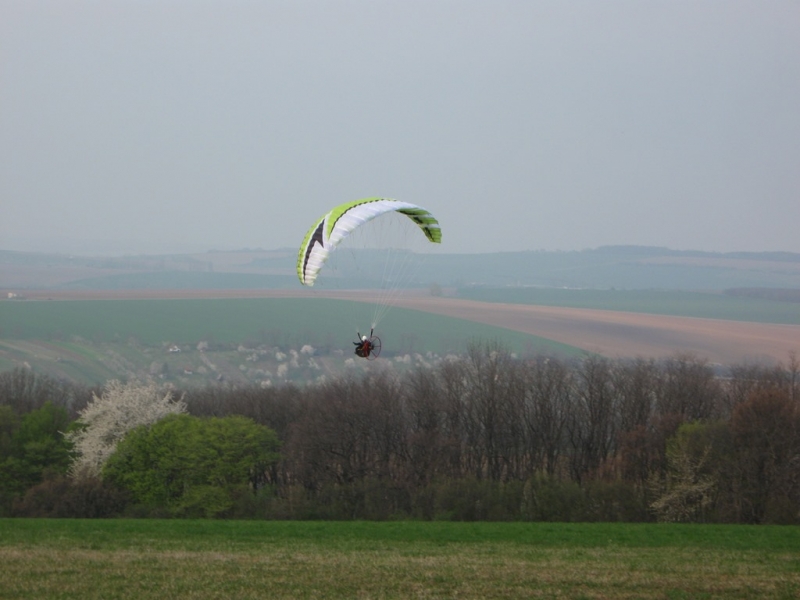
610	333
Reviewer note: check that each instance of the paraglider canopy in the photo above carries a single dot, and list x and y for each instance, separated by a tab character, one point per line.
339	223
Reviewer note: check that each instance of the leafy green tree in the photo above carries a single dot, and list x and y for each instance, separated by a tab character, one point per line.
193	466
9	423
31	447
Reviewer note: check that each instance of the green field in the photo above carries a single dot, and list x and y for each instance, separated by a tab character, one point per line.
92	341
257	559
661	302
292	321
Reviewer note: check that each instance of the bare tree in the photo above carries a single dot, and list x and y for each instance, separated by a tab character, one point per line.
458	422
689	389
591	425
495	394
794	376
429	442
275	407
25	391
635	383
547	399
745	379
766	433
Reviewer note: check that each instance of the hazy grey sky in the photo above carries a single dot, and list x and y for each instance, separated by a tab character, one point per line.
149	126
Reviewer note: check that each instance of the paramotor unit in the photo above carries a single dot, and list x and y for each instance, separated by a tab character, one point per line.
368	347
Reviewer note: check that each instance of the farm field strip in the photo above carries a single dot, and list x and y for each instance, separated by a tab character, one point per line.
257	559
678	303
623	334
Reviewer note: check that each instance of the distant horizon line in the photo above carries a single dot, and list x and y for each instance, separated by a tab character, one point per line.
603	248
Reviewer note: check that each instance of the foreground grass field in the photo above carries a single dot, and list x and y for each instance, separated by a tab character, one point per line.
239	559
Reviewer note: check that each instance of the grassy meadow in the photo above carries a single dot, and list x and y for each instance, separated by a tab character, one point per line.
257	559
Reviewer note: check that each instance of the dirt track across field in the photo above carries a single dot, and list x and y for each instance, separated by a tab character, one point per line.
610	333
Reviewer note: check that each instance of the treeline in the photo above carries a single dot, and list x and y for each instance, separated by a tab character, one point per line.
483	437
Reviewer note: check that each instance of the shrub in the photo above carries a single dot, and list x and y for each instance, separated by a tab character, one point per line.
61	497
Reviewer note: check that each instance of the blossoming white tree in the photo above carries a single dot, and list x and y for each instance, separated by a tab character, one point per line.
106	420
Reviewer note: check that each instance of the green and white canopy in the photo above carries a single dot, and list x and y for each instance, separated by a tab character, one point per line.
336	225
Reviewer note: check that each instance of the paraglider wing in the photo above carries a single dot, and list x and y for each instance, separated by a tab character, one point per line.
336	225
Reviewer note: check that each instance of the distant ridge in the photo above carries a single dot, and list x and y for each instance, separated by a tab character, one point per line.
662	251
777	294
606	267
